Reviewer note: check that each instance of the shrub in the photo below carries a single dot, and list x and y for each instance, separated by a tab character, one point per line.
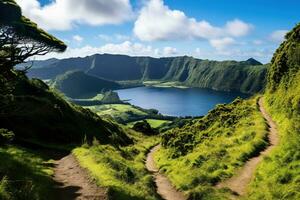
6	136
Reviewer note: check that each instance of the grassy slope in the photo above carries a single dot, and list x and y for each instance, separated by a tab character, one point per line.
278	177
200	154
122	170
25	174
41	117
34	112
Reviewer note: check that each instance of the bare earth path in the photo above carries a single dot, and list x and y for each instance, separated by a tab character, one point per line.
164	186
240	181
73	182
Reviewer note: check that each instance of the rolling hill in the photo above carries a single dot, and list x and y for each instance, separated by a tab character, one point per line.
77	84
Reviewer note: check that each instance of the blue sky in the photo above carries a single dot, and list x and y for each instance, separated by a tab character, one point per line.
206	29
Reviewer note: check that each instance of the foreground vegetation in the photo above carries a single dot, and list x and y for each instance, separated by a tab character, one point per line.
278	177
120	169
25	174
209	150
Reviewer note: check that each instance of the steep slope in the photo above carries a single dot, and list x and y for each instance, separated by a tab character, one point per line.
77	84
246	76
278	177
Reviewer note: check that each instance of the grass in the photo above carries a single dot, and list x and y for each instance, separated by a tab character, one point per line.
154	123
200	154
121	170
278	176
24	174
118	112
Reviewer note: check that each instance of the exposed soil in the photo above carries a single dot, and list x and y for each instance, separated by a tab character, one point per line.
238	183
164	186
73	182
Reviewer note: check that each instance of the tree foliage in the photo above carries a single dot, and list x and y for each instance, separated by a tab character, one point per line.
20	38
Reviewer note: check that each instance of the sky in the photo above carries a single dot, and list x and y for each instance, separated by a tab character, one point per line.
205	29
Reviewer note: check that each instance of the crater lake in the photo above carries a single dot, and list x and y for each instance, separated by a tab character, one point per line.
178	101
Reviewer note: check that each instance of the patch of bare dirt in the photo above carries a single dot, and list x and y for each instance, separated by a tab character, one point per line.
73	182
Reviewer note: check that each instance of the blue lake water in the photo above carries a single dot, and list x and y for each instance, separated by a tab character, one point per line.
178	102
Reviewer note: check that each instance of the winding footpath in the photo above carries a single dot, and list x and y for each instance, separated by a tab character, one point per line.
240	181
73	182
164	186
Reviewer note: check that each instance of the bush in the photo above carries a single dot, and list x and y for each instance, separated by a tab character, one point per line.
6	136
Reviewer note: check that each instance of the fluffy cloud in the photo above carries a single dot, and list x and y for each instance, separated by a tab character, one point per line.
238	28
127	48
64	14
278	36
223	43
169	51
77	38
157	21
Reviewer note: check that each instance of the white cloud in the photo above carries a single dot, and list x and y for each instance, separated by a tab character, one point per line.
78	38
278	36
169	51
238	28
65	14
126	48
157	21
223	43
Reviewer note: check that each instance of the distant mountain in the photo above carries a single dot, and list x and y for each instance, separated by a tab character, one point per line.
77	84
245	76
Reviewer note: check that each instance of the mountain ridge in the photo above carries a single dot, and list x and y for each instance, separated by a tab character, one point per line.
244	76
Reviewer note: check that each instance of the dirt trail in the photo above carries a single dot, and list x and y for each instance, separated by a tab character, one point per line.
73	182
164	186
240	181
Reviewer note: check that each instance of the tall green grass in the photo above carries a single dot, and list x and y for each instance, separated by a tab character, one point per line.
278	176
24	174
120	169
207	151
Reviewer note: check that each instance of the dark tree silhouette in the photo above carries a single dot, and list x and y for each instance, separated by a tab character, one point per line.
20	38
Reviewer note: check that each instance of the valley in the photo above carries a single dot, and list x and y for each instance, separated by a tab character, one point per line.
119	127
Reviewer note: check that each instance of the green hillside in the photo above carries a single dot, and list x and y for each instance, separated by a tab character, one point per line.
34	112
77	84
246	76
278	177
206	151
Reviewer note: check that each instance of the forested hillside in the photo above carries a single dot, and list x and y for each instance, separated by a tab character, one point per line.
246	76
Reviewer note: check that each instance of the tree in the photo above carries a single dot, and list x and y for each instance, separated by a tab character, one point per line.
20	38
